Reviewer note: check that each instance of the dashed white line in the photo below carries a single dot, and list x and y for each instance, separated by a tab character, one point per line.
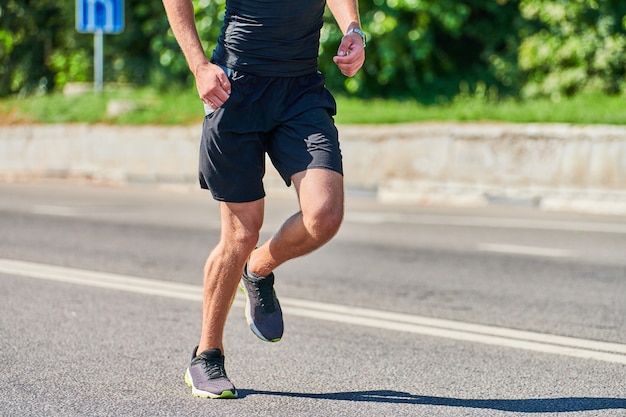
457	330
47	210
525	250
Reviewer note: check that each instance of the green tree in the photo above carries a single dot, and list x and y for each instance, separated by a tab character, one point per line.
29	33
40	48
418	48
580	47
430	49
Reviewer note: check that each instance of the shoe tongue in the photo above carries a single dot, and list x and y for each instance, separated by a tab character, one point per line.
268	280
211	353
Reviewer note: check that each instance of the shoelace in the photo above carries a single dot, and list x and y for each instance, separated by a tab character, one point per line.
213	368
266	295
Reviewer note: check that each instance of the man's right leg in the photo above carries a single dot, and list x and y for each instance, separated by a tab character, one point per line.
241	223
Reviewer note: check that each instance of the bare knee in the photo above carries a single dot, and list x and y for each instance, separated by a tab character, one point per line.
232	251
323	222
239	243
241	225
320	192
245	239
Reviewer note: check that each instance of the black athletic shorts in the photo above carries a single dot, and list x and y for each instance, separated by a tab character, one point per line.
290	119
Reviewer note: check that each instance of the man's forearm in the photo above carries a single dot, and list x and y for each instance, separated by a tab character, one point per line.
182	21
351	52
346	13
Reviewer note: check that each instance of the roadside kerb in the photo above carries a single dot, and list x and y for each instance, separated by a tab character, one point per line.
552	166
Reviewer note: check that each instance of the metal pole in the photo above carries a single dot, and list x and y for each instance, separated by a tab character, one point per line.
98	47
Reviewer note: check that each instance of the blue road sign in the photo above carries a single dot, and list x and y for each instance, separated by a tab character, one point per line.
106	16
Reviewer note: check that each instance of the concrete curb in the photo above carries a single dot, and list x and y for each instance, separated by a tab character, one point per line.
554	166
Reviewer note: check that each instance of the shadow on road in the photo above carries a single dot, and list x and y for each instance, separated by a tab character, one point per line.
532	405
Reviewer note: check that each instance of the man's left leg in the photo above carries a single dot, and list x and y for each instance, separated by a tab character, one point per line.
320	192
321	196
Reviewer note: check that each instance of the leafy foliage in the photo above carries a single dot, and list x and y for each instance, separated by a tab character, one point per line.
580	47
429	50
29	34
426	49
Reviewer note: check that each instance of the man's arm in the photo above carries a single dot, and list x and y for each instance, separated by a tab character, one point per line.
351	53
212	83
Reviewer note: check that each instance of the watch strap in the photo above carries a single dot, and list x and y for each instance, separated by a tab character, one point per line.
360	33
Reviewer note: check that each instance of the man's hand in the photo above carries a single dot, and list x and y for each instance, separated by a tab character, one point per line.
350	55
212	84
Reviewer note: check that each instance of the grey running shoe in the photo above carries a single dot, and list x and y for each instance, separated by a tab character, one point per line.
207	377
263	312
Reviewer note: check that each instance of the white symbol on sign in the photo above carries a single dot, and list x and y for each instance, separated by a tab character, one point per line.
99	15
97	10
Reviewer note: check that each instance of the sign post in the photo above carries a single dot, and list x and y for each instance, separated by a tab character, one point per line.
99	17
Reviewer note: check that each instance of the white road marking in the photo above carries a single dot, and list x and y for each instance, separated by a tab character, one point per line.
525	250
47	210
492	222
457	330
101	279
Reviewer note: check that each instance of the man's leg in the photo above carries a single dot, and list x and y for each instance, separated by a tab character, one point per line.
241	223
321	196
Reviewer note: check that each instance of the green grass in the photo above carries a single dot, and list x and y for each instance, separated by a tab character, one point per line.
588	109
184	107
149	107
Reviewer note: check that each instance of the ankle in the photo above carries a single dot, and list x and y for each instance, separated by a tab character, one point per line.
256	269
202	348
253	275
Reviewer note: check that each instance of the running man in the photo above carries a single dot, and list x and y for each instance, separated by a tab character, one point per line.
262	93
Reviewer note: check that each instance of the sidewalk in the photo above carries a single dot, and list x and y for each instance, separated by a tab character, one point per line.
552	167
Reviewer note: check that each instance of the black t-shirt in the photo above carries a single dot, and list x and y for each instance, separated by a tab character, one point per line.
277	38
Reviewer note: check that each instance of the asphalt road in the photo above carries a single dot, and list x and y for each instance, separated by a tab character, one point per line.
407	312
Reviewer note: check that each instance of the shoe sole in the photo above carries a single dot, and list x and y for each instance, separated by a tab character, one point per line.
205	394
249	320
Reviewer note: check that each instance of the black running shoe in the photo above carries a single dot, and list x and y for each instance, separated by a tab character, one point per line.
207	377
263	312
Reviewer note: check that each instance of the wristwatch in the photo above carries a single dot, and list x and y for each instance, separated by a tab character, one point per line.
360	33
